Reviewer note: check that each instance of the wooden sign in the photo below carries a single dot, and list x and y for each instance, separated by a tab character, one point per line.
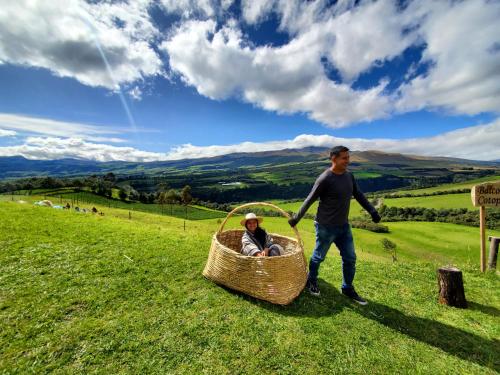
485	195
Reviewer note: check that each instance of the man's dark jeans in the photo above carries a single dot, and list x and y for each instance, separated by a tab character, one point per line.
341	236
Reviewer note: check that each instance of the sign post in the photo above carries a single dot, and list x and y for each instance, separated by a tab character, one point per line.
485	195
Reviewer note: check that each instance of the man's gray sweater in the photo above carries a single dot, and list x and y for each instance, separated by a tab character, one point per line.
334	192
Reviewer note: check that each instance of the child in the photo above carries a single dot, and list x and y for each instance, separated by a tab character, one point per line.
255	241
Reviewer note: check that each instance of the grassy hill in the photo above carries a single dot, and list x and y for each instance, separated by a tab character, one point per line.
283	174
448	201
84	293
85	199
437	201
454	186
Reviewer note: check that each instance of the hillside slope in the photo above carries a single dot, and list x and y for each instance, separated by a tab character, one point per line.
108	294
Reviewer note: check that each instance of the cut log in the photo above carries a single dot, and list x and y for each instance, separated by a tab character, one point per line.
451	287
492	260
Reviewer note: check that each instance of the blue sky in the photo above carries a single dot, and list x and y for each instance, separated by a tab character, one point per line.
156	80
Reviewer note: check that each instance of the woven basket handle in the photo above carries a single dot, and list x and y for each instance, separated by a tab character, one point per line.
284	213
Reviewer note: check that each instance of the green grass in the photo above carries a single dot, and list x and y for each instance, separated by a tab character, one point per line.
439	243
87	200
89	294
434	201
366	174
454	186
355	210
437	201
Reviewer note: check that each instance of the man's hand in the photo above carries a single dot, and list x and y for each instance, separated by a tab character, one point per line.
260	254
375	217
293	221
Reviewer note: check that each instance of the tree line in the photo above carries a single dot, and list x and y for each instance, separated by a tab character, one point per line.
103	186
461	216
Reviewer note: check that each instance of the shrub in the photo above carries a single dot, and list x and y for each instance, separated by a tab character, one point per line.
372	227
389	246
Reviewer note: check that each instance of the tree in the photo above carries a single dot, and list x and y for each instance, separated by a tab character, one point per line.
110	176
77	183
186	196
51	183
109	193
390	246
122	194
143	198
104	188
172	197
161	187
29	186
91	182
133	194
162	199
151	198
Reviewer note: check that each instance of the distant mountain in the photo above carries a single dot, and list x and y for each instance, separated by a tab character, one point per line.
18	166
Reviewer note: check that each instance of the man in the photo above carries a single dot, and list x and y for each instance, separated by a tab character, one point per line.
335	187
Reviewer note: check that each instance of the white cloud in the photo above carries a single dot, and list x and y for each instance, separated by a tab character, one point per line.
112	44
354	38
135	93
367	35
99	44
47	148
295	16
461	40
193	8
254	11
476	143
26	124
7	133
286	79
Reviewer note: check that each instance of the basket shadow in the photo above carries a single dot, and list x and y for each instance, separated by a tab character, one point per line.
330	303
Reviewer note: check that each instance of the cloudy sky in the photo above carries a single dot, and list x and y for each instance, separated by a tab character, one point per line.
146	80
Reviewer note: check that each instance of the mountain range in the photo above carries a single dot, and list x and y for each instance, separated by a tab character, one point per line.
18	166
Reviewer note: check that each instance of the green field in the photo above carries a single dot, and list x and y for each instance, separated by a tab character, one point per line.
87	200
448	201
454	186
434	201
355	211
105	294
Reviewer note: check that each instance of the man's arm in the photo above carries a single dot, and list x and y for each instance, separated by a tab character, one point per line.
360	197
311	198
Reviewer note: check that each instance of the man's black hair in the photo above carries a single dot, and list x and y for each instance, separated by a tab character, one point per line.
335	151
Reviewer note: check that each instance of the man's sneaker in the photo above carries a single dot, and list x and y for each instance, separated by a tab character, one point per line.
351	293
312	287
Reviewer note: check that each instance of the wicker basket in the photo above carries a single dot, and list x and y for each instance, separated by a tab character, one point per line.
278	279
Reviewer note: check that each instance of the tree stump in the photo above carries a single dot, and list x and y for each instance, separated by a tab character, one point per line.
451	287
492	260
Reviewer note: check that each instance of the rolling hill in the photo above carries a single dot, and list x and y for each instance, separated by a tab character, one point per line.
18	166
281	174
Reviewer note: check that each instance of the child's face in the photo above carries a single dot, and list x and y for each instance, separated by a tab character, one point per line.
252	225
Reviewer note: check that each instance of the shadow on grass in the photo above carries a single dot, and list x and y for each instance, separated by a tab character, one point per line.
490	310
330	303
455	341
